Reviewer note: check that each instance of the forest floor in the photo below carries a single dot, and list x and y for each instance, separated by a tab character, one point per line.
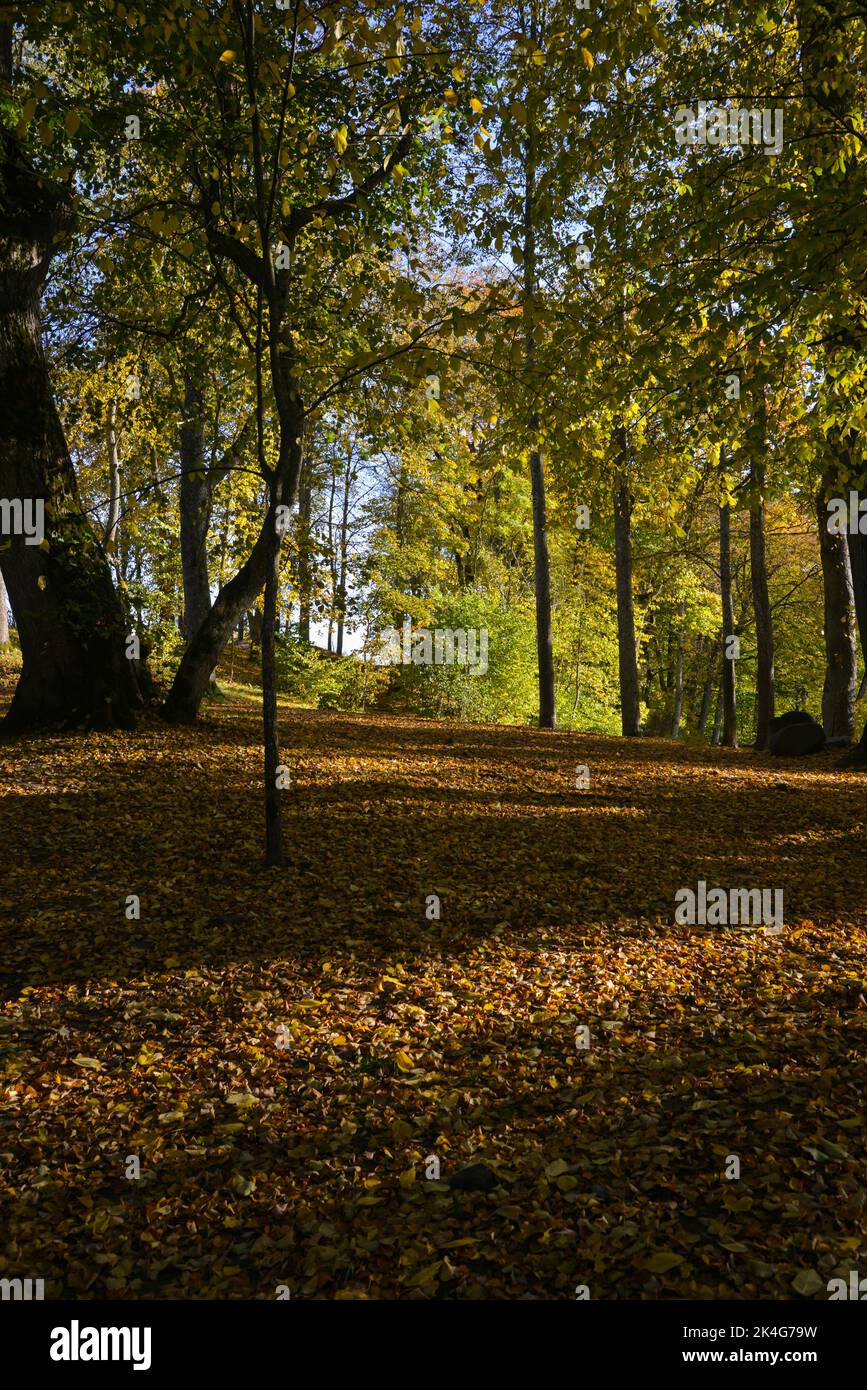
285	1052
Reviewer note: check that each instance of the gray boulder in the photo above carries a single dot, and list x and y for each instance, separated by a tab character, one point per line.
792	716
795	740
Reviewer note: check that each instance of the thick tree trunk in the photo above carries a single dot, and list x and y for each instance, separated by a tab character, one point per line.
626	651
70	621
728	689
841	659
858	568
761	610
195	503
857	545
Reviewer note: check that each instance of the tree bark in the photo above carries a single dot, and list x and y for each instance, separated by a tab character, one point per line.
344	554
541	557
70	621
716	733
195	505
273	817
841	658
678	673
544	638
707	692
761	609
626	651
305	577
728	687
858	565
113	476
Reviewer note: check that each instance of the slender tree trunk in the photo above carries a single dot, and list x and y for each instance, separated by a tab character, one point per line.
541	558
273	818
332	558
716	734
728	687
113	476
4	615
707	692
70	621
195	502
344	556
678	674
626	650
305	578
761	609
841	657
544	638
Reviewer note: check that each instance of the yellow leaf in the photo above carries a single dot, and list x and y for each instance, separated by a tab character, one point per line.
556	1168
404	1061
587	57
663	1261
426	1275
340	138
228	56
92	1063
476	105
71	122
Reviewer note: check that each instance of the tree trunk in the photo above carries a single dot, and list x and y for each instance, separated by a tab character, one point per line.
544	639
305	577
858	565
113	476
716	733
858	568
195	504
707	692
678	674
271	732
70	621
761	609
728	687
626	652
344	554
541	558
841	658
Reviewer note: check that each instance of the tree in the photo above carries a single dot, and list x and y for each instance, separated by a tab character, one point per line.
70	622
